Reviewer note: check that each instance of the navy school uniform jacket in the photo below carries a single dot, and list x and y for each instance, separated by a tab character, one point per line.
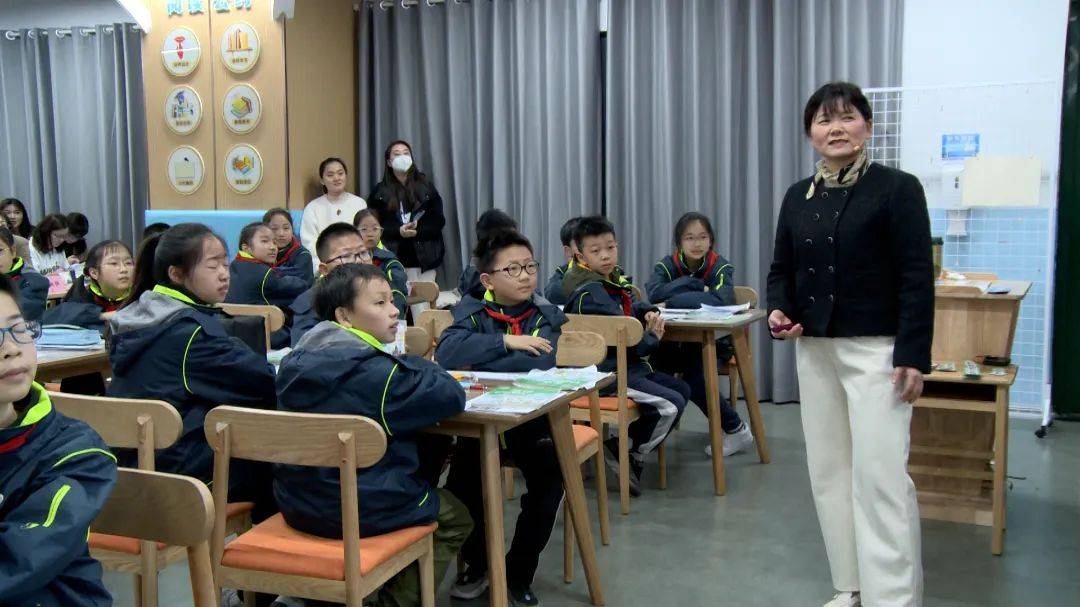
672	281
475	339
33	289
165	346
82	307
303	316
338	370
469	284
295	261
55	476
385	260
254	282
588	292
553	291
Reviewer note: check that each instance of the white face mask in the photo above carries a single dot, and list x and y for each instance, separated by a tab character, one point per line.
401	164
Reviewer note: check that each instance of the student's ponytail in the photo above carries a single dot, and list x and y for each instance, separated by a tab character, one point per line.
144	268
180	246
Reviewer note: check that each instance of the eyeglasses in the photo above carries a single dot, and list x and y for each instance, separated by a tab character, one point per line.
371	230
354	257
514	270
21	332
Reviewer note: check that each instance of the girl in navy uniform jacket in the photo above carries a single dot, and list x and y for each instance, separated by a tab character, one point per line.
253	279
694	274
367	221
595	285
292	258
31	288
55	475
510	329
168	343
342	366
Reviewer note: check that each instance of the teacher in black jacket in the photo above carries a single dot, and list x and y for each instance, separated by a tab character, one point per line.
852	282
411	214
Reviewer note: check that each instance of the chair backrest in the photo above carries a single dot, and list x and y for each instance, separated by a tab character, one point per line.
345	442
580	349
746	295
273	317
619	332
417	341
423	292
125	423
980	275
435	322
169	508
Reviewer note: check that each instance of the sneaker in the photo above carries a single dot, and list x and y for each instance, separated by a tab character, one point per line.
845	599
612	461
735	442
469	585
230	597
523	595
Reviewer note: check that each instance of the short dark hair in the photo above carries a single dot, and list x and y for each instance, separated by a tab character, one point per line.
154	229
97	253
78	224
7	238
488	249
836	95
596	225
363	214
340	286
566	232
491	221
332	232
274	212
683	225
248	233
43	231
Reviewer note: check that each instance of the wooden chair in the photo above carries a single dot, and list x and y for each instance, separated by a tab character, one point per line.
620	332
144	425
418	341
274	558
583	349
423	292
165	509
435	322
273	317
730	367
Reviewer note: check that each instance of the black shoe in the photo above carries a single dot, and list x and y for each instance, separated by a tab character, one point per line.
523	595
469	585
612	461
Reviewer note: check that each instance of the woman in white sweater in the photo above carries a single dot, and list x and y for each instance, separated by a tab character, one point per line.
46	251
335	205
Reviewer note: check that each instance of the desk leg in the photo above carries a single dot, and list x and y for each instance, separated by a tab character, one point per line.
493	513
563	437
1001	465
712	402
749	386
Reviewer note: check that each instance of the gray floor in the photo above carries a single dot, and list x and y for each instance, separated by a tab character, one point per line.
760	545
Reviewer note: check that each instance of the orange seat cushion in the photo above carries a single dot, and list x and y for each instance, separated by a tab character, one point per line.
130	545
607	403
275	547
584	436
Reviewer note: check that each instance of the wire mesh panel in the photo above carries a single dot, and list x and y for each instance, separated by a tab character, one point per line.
887	107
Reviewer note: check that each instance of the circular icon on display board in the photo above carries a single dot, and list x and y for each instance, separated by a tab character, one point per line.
180	52
240	47
185	169
183	110
242	108
243	168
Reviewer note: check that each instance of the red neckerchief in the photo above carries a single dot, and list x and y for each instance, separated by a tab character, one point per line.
515	322
106	304
284	257
624	295
375	261
710	260
14	443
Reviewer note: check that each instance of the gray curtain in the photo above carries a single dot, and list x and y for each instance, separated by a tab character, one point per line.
500	101
705	106
73	127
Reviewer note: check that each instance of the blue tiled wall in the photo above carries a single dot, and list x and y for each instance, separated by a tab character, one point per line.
1015	245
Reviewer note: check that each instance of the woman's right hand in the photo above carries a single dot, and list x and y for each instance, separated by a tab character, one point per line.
779	319
408	230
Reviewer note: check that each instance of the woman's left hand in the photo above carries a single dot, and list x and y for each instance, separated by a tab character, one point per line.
909	382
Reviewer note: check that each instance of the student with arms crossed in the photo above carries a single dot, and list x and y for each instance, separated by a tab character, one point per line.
510	328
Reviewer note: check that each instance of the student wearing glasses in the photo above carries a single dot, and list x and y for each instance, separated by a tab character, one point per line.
338	244
367	221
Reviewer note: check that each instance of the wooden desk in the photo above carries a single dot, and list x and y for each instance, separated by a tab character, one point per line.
706	333
486	427
58	364
960	427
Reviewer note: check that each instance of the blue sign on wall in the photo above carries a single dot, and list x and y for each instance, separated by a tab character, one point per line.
959	146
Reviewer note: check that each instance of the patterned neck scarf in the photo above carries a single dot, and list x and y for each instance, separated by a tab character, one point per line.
844	178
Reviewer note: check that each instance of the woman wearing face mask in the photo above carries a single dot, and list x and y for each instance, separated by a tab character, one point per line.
410	211
852	282
335	205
